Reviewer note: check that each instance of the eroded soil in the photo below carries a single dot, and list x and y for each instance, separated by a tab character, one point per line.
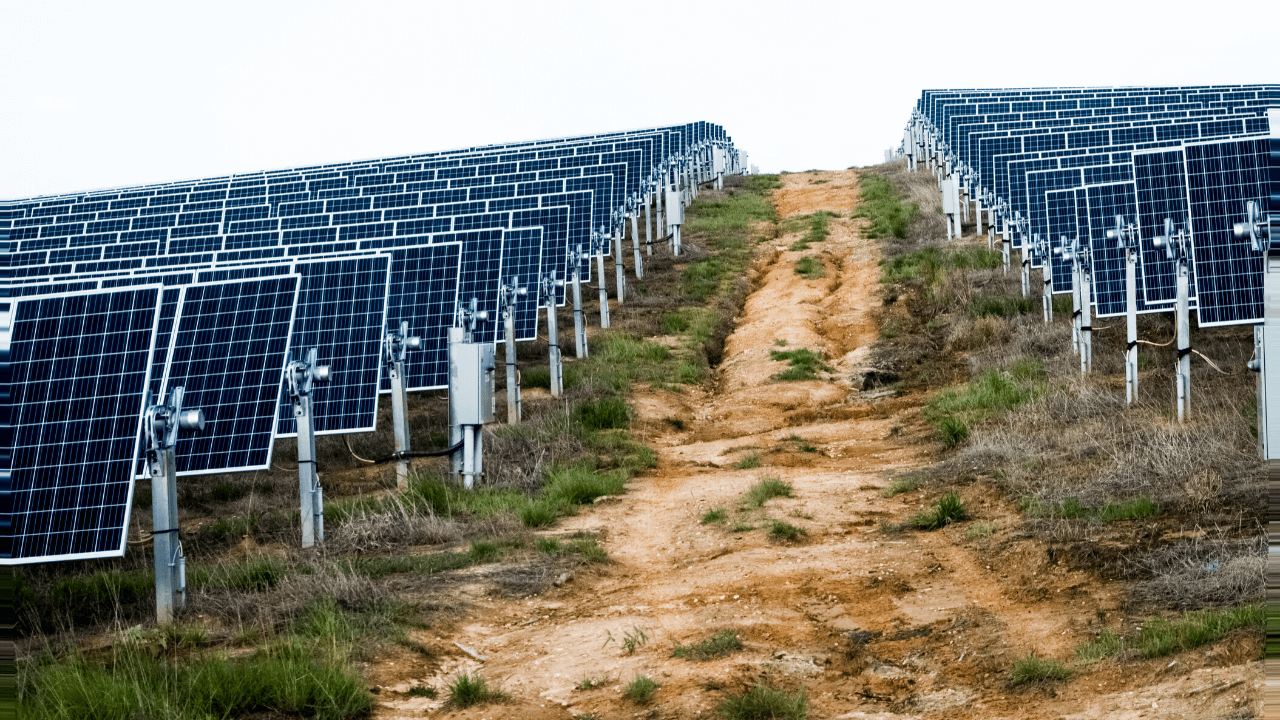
873	623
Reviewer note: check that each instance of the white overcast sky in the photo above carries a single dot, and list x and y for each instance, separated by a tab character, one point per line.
106	94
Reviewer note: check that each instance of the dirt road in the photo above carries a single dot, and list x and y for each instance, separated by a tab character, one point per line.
872	623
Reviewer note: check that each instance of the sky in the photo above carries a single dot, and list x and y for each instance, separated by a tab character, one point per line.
100	95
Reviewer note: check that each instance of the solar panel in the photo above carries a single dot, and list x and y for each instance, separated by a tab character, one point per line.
1221	179
228	350
423	291
1161	181
1060	219
342	306
1108	258
77	368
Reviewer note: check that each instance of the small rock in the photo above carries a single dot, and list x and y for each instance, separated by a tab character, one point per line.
878	378
564	578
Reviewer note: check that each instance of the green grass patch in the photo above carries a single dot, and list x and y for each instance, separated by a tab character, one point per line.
1160	636
979	530
949	509
468	689
883	205
1002	306
721	644
803	364
251	575
785	532
899	486
928	265
603	413
810	267
749	461
1031	669
422	691
766	703
226	492
801	444
767	489
952	411
1071	508
715	515
816	233
288	678
641	689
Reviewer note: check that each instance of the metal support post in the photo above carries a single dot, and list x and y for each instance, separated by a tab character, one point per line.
977	211
648	229
1264	236
659	195
507	295
161	425
1086	317
394	347
1046	275
302	374
579	326
1126	237
597	249
1177	247
547	290
635	243
618	236
1007	240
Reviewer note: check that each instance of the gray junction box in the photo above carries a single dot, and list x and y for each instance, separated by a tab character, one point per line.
675	208
471	382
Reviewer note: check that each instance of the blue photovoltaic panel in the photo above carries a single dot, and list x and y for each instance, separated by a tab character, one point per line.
478	278
1039	183
1221	179
424	291
342	306
1161	181
1060	218
1109	272
522	260
75	370
230	342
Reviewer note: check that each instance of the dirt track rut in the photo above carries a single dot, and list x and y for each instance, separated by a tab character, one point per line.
872	624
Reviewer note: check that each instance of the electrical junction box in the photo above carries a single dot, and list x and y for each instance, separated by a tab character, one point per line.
471	382
743	166
718	161
675	208
950	199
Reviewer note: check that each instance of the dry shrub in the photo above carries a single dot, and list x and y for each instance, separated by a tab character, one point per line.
392	525
270	610
1203	572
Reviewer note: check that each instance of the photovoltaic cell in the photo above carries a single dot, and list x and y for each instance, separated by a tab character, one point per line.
424	291
1060	218
229	345
522	260
77	368
1109	270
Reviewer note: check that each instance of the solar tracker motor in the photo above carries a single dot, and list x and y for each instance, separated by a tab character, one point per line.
471	401
1266	336
507	295
162	423
395	346
1125	236
302	376
1177	246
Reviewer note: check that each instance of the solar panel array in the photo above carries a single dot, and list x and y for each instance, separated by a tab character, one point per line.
1064	162
215	284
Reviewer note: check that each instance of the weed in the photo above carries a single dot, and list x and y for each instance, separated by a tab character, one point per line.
603	413
588	550
899	486
714	515
817	231
467	690
1071	508
550	546
1160	637
721	644
1002	306
632	639
949	509
785	532
804	364
780	342
810	267
227	492
953	410
1031	669
749	461
741	527
979	530
590	682
801	444
766	489
423	691
766	703
641	689
881	203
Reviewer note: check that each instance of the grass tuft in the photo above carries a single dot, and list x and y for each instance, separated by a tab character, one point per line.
899	486
715	515
641	689
785	532
467	690
1160	636
949	509
810	267
883	205
804	364
766	703
1031	669
766	489
749	461
723	643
